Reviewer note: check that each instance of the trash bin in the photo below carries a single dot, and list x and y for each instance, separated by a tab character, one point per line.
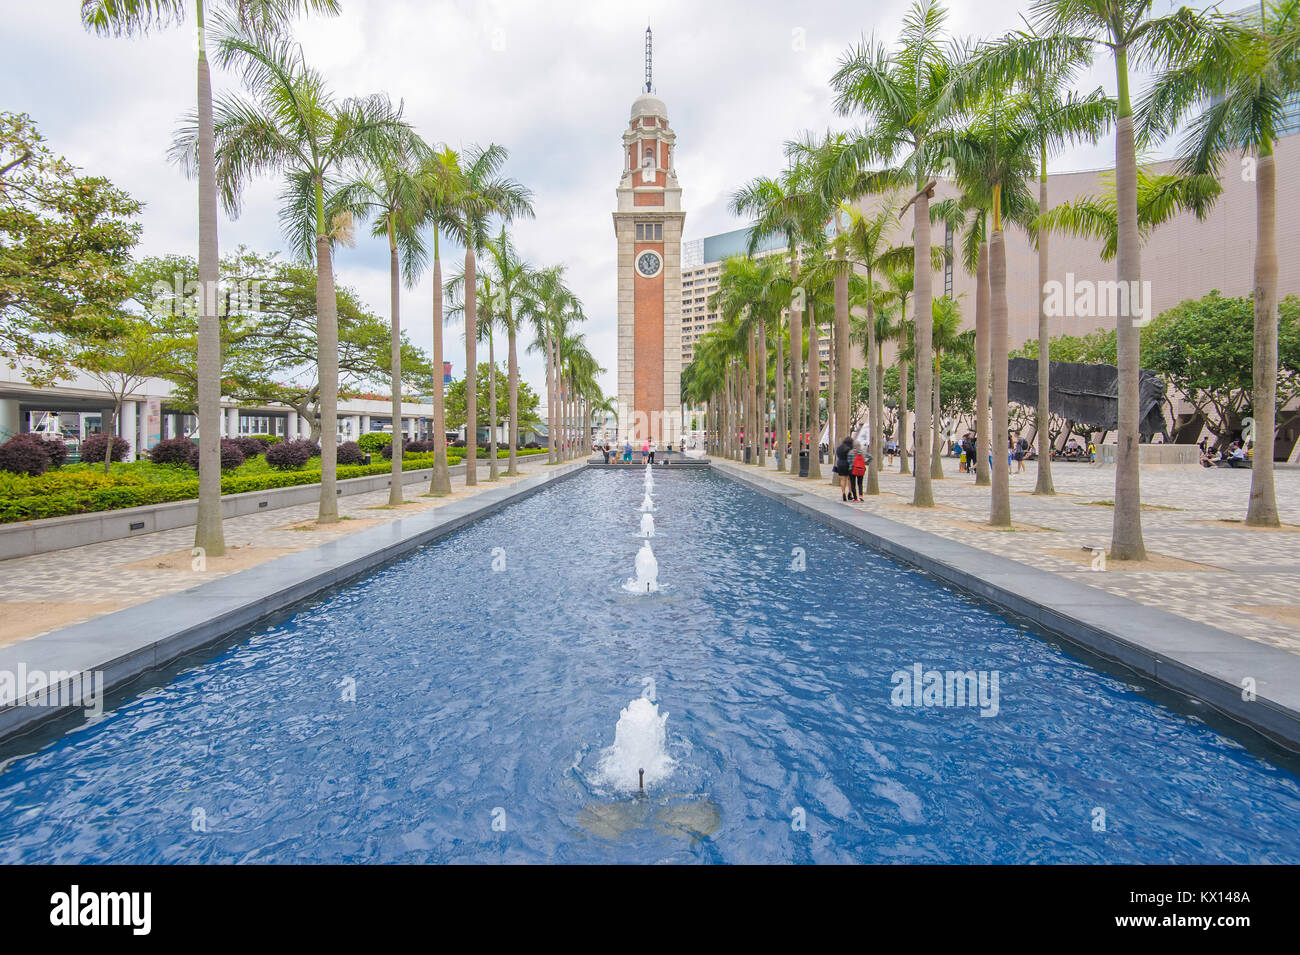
749	454
803	463
367	457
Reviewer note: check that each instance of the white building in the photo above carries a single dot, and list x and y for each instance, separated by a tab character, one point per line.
83	405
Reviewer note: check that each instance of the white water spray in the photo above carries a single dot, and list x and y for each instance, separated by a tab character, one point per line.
639	756
647	525
646	580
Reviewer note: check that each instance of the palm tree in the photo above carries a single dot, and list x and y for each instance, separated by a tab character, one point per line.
482	194
788	206
950	339
906	93
550	308
1128	31
1241	84
1054	116
293	124
513	279
834	168
994	156
257	17
439	179
968	213
388	191
866	245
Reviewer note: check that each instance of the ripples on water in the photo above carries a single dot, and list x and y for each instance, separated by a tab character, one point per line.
487	698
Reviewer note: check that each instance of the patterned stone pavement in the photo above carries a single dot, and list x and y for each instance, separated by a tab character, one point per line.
117	574
1240	580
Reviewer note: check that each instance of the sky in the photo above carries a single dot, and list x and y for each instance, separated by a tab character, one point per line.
550	81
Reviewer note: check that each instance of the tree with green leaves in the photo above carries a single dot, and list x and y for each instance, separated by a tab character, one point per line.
1054	116
1133	38
789	206
456	403
258	18
905	94
512	286
1204	350
292	124
387	192
125	362
1239	101
479	194
65	247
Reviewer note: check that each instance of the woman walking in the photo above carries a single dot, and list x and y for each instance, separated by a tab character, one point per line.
843	467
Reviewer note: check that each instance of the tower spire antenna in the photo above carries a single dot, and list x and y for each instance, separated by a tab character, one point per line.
649	51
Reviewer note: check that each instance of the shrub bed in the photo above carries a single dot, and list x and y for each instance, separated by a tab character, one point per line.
96	446
172	451
24	454
350	453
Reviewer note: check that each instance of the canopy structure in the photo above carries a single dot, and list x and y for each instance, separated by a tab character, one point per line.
1088	394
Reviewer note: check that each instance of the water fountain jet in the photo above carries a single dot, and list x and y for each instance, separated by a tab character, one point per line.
646	580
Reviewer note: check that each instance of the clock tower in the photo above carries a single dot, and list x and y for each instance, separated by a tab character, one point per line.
648	228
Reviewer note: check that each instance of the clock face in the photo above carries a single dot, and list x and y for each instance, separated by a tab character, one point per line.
649	264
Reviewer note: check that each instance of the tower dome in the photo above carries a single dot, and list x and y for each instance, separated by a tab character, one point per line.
647	104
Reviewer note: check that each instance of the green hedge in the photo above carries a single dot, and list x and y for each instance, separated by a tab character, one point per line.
91	492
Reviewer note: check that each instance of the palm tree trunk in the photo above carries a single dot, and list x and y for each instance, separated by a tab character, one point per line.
796	369
327	358
780	397
983	435
208	533
937	442
814	393
843	366
493	470
394	290
513	371
874	405
833	420
923	322
1262	509
1000	515
471	368
440	482
903	395
1126	532
761	434
1043	484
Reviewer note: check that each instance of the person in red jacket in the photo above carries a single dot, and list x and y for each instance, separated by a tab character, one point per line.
857	469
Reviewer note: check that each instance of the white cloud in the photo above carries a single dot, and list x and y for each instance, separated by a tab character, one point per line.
552	82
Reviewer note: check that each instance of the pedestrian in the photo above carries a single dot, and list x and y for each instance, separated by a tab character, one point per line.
627	450
858	469
1022	452
604	449
652	447
843	466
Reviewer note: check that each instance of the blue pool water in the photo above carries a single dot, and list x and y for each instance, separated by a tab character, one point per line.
484	700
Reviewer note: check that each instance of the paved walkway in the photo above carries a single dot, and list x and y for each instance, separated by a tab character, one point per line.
1202	566
45	592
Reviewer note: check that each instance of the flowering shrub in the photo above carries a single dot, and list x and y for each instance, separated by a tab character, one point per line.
94	448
